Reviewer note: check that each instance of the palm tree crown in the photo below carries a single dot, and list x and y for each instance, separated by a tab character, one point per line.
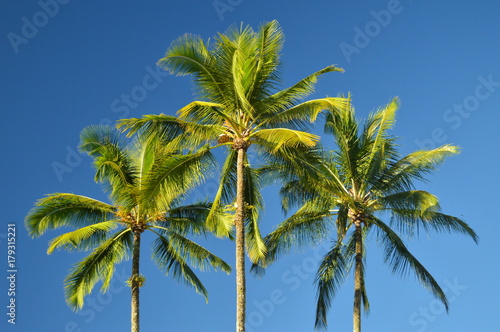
145	182
354	189
237	79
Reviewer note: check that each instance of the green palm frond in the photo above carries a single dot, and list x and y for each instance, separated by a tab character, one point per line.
203	112
304	228
278	103
173	176
59	210
410	221
187	55
99	265
402	261
225	195
296	193
170	260
349	157
379	123
199	134
84	238
332	273
416	200
306	164
196	255
187	219
263	79
255	246
440	222
112	161
308	110
278	137
378	146
400	175
160	127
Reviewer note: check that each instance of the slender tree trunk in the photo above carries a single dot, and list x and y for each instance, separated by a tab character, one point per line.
135	283
240	242
358	274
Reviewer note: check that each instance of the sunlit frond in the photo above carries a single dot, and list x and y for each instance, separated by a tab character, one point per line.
278	137
59	210
401	175
308	110
173	176
112	161
255	246
99	265
84	238
225	195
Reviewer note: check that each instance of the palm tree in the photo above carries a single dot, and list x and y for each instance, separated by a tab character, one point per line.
354	189
145	183
236	78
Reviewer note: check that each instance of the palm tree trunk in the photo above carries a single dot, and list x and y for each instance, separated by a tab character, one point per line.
240	241
135	283
358	275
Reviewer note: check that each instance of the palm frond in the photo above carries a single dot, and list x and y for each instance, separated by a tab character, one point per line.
289	97
202	112
400	175
378	146
225	195
402	261
278	137
59	210
171	262
196	255
268	45
112	161
255	246
305	227
160	127
99	265
173	176
332	273
188	54
308	110
84	238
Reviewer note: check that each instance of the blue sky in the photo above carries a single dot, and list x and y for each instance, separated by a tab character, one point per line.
68	64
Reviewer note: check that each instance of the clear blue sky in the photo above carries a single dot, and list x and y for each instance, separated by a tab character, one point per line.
68	64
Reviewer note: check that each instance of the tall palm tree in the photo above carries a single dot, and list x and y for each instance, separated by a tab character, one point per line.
355	188
239	106
145	182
